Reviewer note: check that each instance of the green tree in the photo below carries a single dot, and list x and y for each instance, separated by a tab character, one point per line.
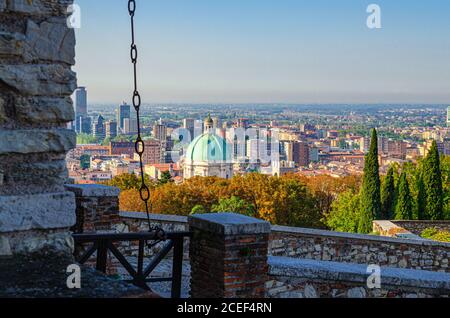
404	207
166	177
198	209
344	215
370	191
84	139
432	179
388	195
421	198
234	204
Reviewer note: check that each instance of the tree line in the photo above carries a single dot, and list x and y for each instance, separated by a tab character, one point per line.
409	192
349	204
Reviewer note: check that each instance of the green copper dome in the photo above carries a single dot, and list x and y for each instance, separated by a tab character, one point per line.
208	147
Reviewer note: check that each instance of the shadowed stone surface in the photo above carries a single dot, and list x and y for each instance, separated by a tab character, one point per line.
40	211
44	276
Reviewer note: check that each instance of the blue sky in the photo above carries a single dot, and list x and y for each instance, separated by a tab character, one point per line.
264	51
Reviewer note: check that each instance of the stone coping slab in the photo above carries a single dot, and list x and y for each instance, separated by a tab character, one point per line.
353	236
350	272
93	190
229	224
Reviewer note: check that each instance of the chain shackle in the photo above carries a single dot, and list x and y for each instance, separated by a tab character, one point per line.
144	191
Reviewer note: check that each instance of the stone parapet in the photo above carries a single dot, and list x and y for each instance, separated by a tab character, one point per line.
228	256
303	278
360	249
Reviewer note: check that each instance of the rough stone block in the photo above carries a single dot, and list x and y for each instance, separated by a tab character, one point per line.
36	141
39	79
50	41
44	109
37	7
39	211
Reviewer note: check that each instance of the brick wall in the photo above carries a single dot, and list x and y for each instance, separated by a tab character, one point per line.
228	256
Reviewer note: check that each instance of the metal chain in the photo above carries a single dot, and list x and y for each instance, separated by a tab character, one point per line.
144	191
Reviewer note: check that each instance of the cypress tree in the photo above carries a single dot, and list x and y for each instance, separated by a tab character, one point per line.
370	190
388	195
404	208
421	198
432	180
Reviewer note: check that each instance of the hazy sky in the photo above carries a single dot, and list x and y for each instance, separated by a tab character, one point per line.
291	51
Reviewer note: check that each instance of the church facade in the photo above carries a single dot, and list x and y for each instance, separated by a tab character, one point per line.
208	155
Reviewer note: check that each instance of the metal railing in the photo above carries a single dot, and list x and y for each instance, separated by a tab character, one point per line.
102	243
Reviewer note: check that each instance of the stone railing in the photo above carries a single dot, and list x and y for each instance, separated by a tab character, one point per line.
360	249
303	278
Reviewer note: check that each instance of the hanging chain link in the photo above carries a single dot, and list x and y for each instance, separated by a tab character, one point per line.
144	191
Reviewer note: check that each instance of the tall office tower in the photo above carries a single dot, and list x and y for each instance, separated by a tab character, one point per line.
298	152
129	126
81	101
83	125
189	124
152	152
160	132
98	128
123	112
111	129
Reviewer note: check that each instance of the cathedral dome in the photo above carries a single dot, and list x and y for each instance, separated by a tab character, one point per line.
208	148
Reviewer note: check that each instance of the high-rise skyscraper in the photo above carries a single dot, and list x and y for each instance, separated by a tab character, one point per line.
123	112
81	101
83	125
160	131
111	129
129	126
98	127
189	124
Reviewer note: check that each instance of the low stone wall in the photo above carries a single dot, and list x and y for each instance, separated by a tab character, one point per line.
316	244
416	227
360	249
301	278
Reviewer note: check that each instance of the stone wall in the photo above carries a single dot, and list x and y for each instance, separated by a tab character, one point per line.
417	227
300	278
360	249
37	50
320	245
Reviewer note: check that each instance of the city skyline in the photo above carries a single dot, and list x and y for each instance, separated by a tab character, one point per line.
295	52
